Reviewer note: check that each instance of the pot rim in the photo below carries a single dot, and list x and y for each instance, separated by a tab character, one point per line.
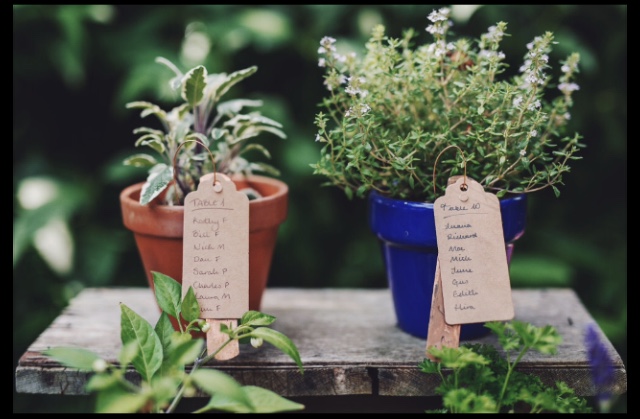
412	223
168	219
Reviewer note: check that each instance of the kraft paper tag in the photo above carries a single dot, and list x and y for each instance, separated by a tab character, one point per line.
440	334
471	251
216	248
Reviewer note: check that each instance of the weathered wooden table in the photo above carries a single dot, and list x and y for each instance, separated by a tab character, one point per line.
347	339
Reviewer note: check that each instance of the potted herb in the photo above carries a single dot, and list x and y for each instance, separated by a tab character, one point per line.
390	112
188	139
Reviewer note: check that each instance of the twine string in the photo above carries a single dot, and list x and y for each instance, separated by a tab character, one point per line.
464	185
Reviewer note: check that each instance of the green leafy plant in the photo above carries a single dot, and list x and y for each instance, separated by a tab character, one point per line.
391	111
170	363
477	379
202	121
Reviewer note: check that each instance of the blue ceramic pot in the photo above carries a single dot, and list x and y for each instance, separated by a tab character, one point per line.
407	234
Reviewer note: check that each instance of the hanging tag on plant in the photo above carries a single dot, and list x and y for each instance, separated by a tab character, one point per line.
471	251
216	256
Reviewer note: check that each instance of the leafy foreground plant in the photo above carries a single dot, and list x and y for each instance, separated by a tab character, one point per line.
161	356
479	380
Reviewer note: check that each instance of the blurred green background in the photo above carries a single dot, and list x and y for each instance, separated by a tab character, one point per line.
75	67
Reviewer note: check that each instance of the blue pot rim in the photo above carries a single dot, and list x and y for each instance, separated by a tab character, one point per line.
411	223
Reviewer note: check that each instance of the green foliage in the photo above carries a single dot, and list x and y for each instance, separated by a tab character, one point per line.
404	103
160	354
477	379
193	128
112	49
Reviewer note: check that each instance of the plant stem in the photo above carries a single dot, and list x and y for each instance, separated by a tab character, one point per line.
506	380
200	361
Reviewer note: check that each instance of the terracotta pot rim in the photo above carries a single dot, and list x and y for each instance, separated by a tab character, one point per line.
283	189
168	218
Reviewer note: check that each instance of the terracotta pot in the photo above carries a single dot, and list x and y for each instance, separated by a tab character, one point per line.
158	231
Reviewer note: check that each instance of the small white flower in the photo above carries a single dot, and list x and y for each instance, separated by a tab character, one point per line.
567	116
256	342
565	68
567	88
342	79
517	101
440	15
99	365
530	45
535	105
318	138
340	58
494	34
327	41
322	62
436	29
525	66
322	50
533	133
523	152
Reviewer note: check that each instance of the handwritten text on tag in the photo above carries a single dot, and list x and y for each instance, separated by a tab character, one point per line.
472	255
216	248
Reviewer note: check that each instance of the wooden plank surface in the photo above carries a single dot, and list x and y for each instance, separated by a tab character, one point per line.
347	338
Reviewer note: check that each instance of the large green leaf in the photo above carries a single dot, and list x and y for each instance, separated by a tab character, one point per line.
159	178
193	85
232	107
164	330
256	318
232	79
185	352
133	328
190	306
217	382
140	160
258	147
81	359
168	293
127	353
148	108
280	341
262	401
103	381
117	400
151	140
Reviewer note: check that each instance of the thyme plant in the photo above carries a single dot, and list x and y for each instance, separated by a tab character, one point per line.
169	363
202	121
390	111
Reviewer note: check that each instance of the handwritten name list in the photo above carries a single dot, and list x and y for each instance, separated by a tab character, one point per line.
471	251
216	248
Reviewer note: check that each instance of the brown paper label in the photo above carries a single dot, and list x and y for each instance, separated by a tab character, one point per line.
473	259
216	248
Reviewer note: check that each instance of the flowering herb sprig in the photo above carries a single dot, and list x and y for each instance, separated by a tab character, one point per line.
601	365
389	112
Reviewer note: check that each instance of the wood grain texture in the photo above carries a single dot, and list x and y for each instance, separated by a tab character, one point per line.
440	333
347	338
